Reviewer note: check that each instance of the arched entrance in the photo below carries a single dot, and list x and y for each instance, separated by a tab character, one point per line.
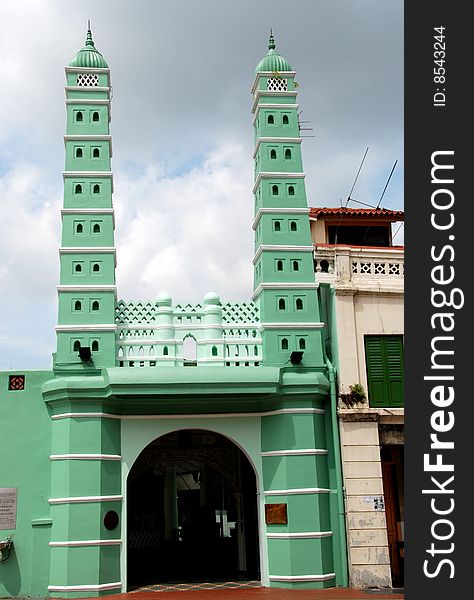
191	511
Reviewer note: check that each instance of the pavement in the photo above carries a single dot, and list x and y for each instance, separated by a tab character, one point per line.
258	593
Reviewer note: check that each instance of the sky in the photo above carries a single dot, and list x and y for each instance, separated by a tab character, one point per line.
182	135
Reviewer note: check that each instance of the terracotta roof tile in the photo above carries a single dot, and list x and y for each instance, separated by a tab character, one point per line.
391	215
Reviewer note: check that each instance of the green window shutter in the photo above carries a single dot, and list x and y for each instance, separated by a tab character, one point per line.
384	359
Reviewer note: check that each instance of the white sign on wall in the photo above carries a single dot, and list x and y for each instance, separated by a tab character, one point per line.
8	498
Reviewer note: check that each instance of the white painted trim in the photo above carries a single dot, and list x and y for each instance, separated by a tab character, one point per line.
280	248
259	74
283	286
281	93
237	341
277	211
85	137
78	543
86	587
232	359
185	327
87	70
314	325
300	535
87	174
86	288
325	577
88	88
85	327
82	499
276	105
85	457
87	250
298	452
276	175
269	413
282	140
87	211
87	100
295	491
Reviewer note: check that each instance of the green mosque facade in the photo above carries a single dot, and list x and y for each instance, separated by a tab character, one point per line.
130	463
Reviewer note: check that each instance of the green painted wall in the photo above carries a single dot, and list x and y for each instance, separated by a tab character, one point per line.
25	430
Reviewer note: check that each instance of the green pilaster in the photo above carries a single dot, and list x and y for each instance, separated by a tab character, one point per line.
284	283
86	290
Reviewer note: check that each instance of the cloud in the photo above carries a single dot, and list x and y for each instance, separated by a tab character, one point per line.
187	234
182	137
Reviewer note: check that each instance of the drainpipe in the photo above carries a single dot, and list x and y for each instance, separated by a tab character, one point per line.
339	481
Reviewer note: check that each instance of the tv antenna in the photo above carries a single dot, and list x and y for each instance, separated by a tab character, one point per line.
304	128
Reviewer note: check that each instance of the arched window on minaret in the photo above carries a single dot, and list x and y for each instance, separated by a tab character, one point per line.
78	188
79	116
296	265
96	228
287	154
279	265
302	344
96	188
77	305
77	346
95	116
277	226
284	344
286	120
271	120
95	346
281	304
273	154
95	268
214	351
79	153
95	305
291	190
274	190
299	304
293	226
78	268
79	228
96	153
165	351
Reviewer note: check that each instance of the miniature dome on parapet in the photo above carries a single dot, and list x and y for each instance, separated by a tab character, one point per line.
272	61
212	298
88	56
163	299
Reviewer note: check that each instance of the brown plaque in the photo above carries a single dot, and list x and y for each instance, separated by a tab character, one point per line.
276	514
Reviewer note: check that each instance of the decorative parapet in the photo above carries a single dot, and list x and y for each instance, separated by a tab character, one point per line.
154	334
359	267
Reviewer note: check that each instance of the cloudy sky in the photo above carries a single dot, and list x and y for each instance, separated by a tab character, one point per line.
182	137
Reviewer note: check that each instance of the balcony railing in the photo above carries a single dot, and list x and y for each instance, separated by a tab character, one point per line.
360	266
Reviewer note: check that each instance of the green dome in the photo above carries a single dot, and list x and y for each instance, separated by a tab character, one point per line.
273	61
89	56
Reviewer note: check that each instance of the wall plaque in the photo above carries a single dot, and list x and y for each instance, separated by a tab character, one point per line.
276	514
8	508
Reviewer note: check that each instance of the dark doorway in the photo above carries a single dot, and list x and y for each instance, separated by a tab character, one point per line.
392	474
191	511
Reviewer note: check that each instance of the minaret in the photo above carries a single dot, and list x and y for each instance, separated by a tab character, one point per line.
284	283
87	292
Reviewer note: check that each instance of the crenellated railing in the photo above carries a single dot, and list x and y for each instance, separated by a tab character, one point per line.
159	334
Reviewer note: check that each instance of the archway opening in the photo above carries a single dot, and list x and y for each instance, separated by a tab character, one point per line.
191	512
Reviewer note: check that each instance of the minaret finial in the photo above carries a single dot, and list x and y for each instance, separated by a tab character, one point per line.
271	41
89	40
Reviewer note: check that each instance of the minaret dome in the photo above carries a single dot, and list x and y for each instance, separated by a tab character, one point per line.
273	61
89	56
